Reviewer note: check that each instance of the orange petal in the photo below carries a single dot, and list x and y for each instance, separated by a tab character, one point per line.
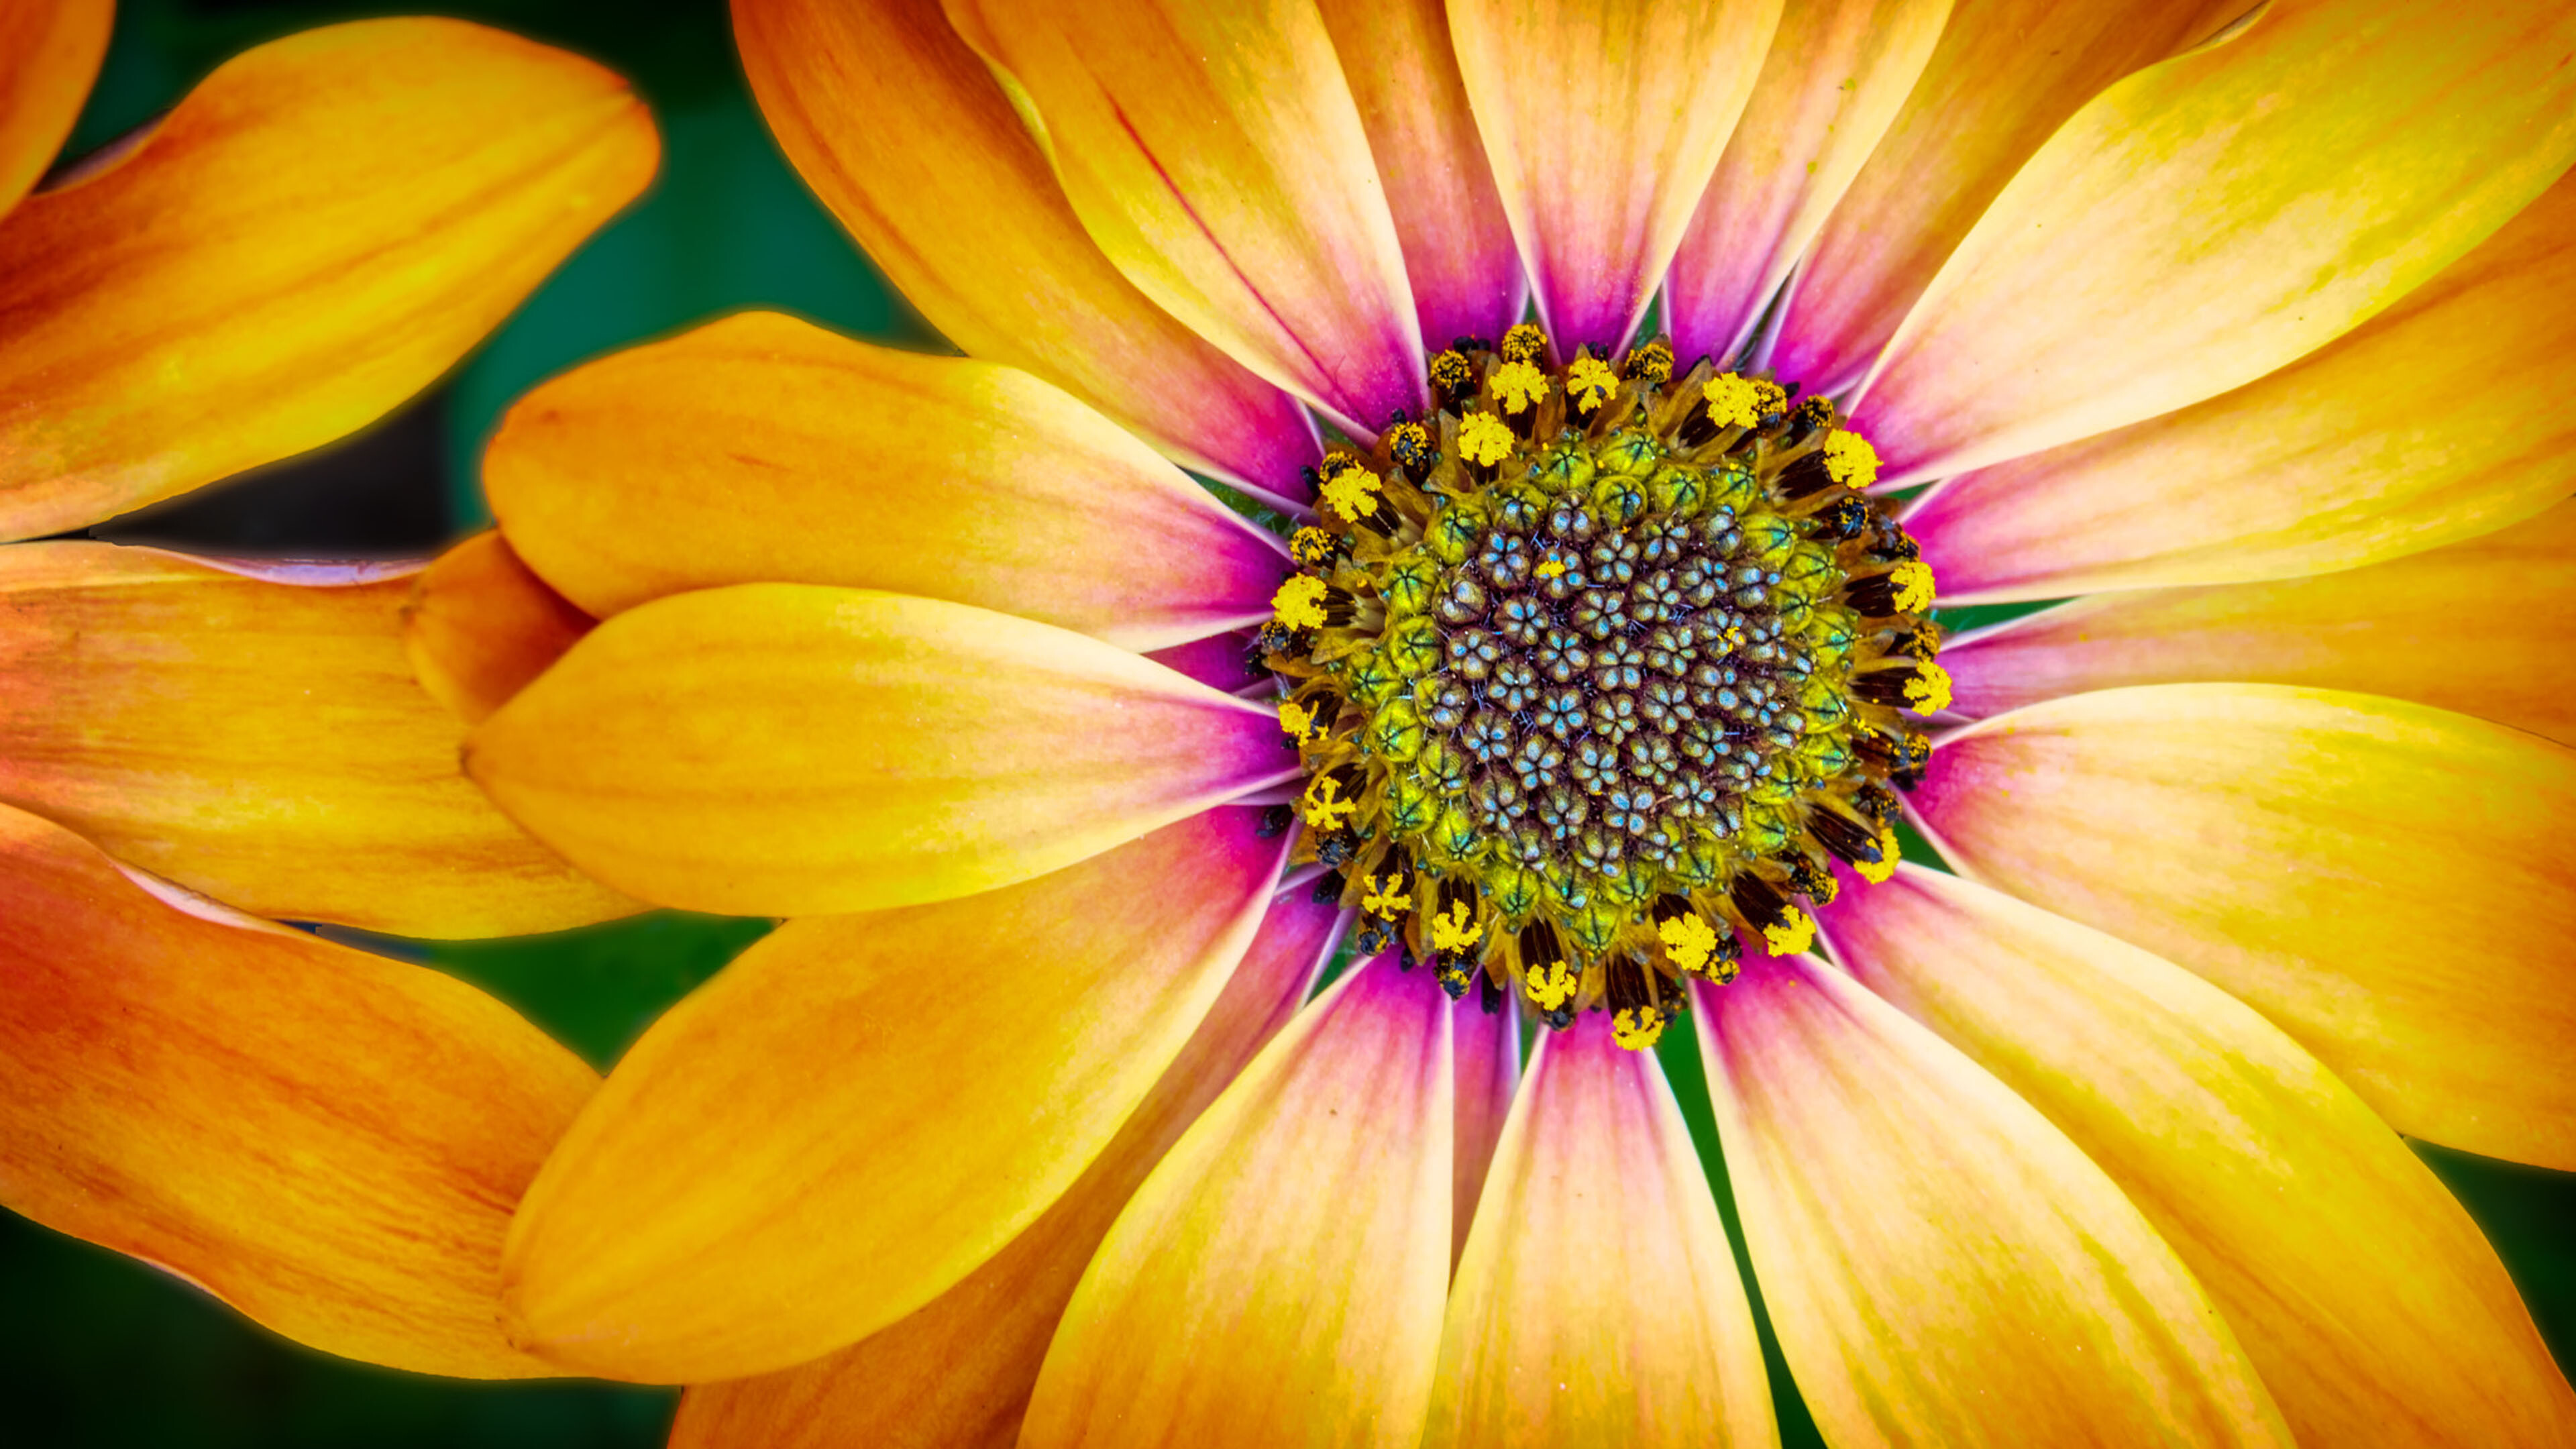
862	1109
49	54
765	449
1831	85
2369	1301
2004	76
959	1371
322	227
1284	1266
1487	1054
2479	627
1458	253
1604	123
260	739
1598	1302
901	131
789	749
328	1141
2221	214
2341	458
480	626
1215	154
1942	1266
2384	881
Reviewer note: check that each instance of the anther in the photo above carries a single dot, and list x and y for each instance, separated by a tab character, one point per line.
1454	376
1526	342
1545	977
1809	418
1328	888
1409	443
1636	1021
1920	687
1689	941
1588	384
1785	929
1651	364
1274	821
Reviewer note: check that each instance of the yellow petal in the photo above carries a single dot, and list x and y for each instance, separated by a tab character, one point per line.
49	54
1284	1266
2384	881
328	1141
862	1109
1942	1266
2223	213
1603	123
2479	627
322	227
260	739
901	131
1830	87
2005	75
1216	156
480	626
1458	253
958	1372
1598	1303
2435	421
789	749
2369	1301
1487	1054
764	449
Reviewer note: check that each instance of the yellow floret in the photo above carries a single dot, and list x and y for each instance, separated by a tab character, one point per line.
1794	932
1455	929
1637	1027
1484	439
1590	382
1735	401
1517	386
1550	984
1299	604
1553	568
1386	896
1311	546
1689	941
1913	581
1850	460
1299	721
1928	692
1352	493
1888	855
1324	807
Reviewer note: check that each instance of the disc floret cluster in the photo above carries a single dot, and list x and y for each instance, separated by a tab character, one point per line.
1594	667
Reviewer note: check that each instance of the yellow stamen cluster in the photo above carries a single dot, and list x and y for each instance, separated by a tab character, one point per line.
1299	604
1850	460
1589	382
1351	491
1742	402
1485	440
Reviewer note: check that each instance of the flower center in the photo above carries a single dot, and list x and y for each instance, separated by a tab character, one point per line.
1593	668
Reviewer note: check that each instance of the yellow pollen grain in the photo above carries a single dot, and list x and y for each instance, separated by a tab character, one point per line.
1553	568
1689	941
1913	581
1888	855
1550	984
1352	493
1299	604
1794	932
1299	721
1526	342
1928	692
1518	386
1484	439
1310	546
1735	401
1589	382
1324	807
1637	1027
1386	897
1850	460
1455	929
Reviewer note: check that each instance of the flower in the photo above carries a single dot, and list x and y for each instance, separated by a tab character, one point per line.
1024	1124
327	1140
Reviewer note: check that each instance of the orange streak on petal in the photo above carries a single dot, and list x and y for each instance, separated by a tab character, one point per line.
1284	1266
329	1141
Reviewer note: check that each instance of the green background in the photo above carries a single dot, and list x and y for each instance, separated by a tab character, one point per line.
97	1350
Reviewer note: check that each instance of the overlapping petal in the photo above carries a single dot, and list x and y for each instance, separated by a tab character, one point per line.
1598	1303
1603	123
2433	422
2005	75
1835	77
1281	1273
765	449
480	626
1458	254
1942	1265
260	739
957	1373
2375	1311
49	54
1486	1050
1216	156
329	1141
2262	195
323	226
2478	627
2384	881
901	131
862	1109
790	749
